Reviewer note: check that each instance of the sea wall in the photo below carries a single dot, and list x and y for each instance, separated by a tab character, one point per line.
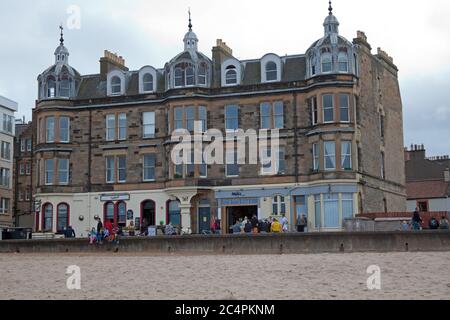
247	244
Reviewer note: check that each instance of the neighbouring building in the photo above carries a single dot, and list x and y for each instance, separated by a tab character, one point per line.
427	181
103	141
7	110
24	214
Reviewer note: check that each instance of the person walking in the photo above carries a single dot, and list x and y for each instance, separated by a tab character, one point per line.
302	223
416	220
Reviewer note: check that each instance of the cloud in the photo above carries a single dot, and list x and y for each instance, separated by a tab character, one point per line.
151	32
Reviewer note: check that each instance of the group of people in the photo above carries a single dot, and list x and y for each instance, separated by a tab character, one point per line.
416	223
255	226
108	232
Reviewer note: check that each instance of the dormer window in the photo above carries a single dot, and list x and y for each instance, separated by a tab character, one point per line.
343	61
179	77
64	88
185	75
231	75
202	74
116	85
327	62
148	82
271	71
51	87
312	63
190	76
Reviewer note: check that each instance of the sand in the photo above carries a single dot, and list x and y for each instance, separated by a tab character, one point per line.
271	277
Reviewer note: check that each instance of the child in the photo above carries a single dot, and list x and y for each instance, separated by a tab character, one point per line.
92	236
405	226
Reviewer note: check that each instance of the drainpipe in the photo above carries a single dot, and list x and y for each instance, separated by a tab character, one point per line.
296	138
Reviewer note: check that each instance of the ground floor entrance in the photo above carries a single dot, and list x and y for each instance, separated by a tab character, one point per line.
239	213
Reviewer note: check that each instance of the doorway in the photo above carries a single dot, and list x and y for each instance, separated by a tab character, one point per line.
237	213
148	214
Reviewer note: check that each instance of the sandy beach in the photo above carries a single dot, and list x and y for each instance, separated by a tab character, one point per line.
272	277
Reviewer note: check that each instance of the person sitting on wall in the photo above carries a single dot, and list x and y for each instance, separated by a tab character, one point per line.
237	227
433	224
170	230
405	226
255	223
276	227
92	236
443	224
264	226
284	223
69	232
248	227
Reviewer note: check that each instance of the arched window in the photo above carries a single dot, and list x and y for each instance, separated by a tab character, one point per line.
202	74
64	87
327	62
62	217
231	75
47	218
51	87
148	82
109	211
179	77
271	71
190	76
174	214
343	61
121	213
116	85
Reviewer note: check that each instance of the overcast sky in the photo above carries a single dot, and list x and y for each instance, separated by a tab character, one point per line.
416	33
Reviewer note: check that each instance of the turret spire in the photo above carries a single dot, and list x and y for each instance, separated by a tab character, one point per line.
190	20
61	40
330	9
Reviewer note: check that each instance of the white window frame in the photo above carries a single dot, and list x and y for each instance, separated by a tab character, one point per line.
326	55
316	156
331	155
344	156
110	170
235	162
119	169
68	129
332	108
122	128
49	131
28	168
228	65
22	145
144	71
67	170
145	167
151	124
341	55
110	129
46	162
234	119
347	108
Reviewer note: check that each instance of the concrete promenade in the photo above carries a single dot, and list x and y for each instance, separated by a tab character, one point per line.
292	243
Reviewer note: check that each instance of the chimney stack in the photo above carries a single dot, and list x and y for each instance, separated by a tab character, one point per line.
111	61
220	53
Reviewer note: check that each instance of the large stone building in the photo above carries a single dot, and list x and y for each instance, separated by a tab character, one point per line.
23	208
7	110
103	141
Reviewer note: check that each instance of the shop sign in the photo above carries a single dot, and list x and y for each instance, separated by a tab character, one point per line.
115	197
